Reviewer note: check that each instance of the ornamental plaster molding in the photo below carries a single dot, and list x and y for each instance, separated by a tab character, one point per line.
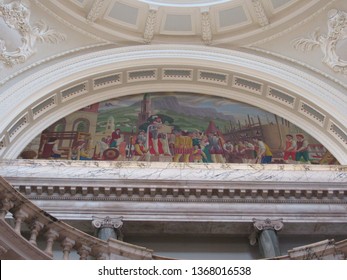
43	83
206	29
217	55
266	224
17	17
337	30
95	11
293	27
298	62
48	59
260	13
68	24
107	222
150	25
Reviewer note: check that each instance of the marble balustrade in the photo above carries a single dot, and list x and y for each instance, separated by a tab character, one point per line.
42	224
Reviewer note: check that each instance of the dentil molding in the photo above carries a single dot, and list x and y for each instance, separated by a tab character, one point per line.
17	17
337	31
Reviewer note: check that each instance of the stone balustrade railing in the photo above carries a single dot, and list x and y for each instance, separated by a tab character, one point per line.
323	250
26	215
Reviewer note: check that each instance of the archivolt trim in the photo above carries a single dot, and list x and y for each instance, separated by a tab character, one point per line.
29	92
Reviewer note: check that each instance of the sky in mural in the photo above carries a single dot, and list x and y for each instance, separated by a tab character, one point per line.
177	127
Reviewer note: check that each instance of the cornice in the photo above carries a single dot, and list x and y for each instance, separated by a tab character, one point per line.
178	182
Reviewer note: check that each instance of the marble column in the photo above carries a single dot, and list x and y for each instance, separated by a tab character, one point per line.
108	227
265	232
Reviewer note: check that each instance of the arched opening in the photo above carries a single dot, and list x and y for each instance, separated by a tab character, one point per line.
295	96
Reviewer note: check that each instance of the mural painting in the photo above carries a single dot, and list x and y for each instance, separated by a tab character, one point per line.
177	127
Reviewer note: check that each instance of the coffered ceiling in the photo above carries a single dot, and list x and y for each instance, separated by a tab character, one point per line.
213	22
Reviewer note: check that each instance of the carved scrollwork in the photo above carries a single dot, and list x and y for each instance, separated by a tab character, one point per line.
260	225
17	16
337	30
116	223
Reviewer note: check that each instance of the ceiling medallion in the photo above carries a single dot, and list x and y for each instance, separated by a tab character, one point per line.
16	16
337	30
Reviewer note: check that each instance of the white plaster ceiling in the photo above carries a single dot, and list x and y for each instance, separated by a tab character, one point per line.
233	21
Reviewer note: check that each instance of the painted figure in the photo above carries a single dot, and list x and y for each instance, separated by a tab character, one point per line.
216	148
264	154
116	138
301	148
290	149
198	154
102	147
228	148
249	154
183	146
140	152
50	149
154	145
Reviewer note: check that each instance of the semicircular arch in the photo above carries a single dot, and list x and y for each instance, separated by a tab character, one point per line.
66	87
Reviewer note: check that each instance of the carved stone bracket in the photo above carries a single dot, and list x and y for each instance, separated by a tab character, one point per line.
337	30
17	16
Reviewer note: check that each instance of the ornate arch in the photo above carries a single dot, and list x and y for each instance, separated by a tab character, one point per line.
84	121
304	100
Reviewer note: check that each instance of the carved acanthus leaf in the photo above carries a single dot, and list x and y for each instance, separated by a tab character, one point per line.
150	26
44	34
307	44
337	31
95	11
17	17
260	13
206	29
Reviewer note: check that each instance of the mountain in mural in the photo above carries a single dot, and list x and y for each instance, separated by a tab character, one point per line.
171	103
